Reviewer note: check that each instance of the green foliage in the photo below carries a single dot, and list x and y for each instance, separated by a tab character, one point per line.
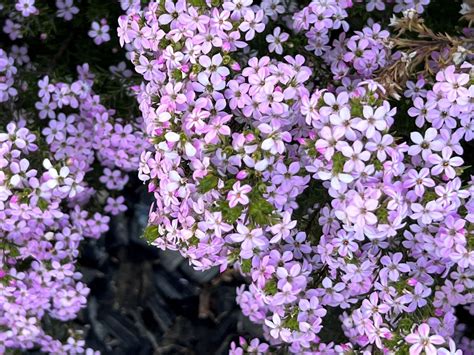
150	233
42	204
271	287
229	214
382	214
246	265
356	108
429	196
338	163
9	248
193	241
292	322
405	324
197	3
208	183
377	164
260	210
398	344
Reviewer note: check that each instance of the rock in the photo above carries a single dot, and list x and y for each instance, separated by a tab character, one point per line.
170	260
145	300
162	315
200	277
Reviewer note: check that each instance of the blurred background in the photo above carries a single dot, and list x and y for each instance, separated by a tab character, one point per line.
148	301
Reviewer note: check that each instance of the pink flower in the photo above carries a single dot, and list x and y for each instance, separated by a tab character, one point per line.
217	127
276	39
66	9
253	22
26	7
356	157
360	211
275	141
419	180
250	239
445	163
283	229
99	32
115	205
427	213
393	266
238	194
329	137
309	109
376	331
454	85
371	306
452	349
422	341
373	120
424	145
213	68
277	329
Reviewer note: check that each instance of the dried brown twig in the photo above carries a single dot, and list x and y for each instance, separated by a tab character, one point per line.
469	15
415	54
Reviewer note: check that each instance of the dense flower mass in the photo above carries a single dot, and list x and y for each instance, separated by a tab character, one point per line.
318	147
64	158
276	149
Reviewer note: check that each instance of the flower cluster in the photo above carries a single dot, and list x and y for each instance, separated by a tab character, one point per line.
398	5
308	189
39	242
8	71
114	141
318	19
64	158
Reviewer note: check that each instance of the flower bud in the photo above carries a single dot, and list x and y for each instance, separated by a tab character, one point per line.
235	66
242	174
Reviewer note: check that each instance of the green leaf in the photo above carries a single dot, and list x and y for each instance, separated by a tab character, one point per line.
208	183
378	165
12	249
271	287
42	204
229	183
260	210
429	196
470	242
406	324
338	162
230	215
246	265
150	233
356	108
382	214
193	241
5	280
292	322
177	74
197	3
